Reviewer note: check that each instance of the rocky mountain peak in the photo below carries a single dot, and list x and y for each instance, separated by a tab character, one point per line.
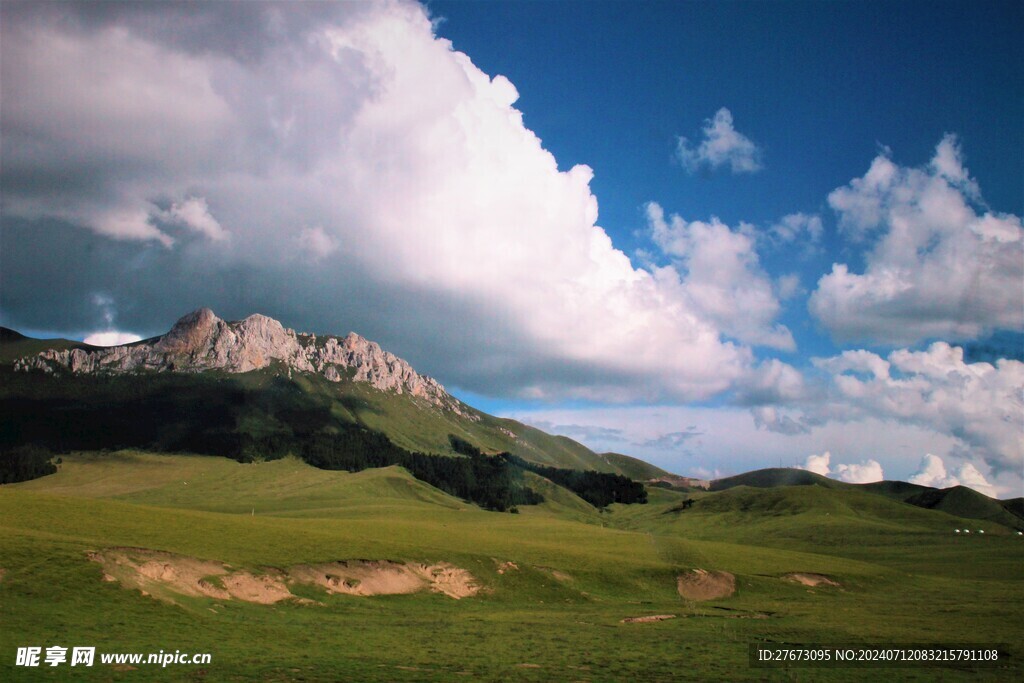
190	333
200	341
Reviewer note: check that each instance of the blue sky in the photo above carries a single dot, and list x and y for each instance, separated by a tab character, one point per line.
716	235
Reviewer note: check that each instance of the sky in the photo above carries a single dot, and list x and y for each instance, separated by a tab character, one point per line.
714	235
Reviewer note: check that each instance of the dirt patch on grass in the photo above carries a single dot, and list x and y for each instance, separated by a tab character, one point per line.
161	574
506	566
367	577
810	579
698	584
3	572
167	576
647	619
359	577
453	581
164	574
264	589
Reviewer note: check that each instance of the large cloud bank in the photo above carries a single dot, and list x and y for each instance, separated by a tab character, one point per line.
338	166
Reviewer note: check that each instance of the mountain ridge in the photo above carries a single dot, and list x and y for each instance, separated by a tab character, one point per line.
246	373
200	341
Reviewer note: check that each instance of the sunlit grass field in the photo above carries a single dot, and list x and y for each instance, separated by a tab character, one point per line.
904	577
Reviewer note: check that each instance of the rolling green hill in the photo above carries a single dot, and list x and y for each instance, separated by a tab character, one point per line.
557	581
959	501
965	502
774	476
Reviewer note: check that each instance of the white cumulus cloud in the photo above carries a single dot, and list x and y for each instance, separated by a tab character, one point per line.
860	473
819	464
980	404
865	472
722	278
932	472
194	214
721	144
938	265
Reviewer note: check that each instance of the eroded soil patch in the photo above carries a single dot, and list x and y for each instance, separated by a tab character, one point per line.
371	577
699	584
647	619
808	579
166	576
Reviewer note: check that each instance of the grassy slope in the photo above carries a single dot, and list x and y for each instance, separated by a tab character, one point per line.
905	576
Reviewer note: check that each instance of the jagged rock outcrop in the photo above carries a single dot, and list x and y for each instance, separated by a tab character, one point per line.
201	341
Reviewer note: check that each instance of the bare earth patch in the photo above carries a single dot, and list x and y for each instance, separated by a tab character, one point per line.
810	579
370	577
161	574
166	575
265	589
647	619
699	584
448	579
506	566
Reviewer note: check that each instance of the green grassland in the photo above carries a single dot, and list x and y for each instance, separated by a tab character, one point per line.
904	577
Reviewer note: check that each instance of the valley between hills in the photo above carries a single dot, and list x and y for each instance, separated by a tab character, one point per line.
312	509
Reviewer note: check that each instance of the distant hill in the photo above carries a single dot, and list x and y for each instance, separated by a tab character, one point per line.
775	476
965	502
959	501
1015	505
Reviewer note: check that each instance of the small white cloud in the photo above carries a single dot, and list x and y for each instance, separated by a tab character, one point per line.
932	472
819	464
788	286
860	473
317	243
798	226
774	420
194	214
722	144
126	223
111	338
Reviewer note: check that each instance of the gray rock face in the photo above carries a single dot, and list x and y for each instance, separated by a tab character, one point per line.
201	341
